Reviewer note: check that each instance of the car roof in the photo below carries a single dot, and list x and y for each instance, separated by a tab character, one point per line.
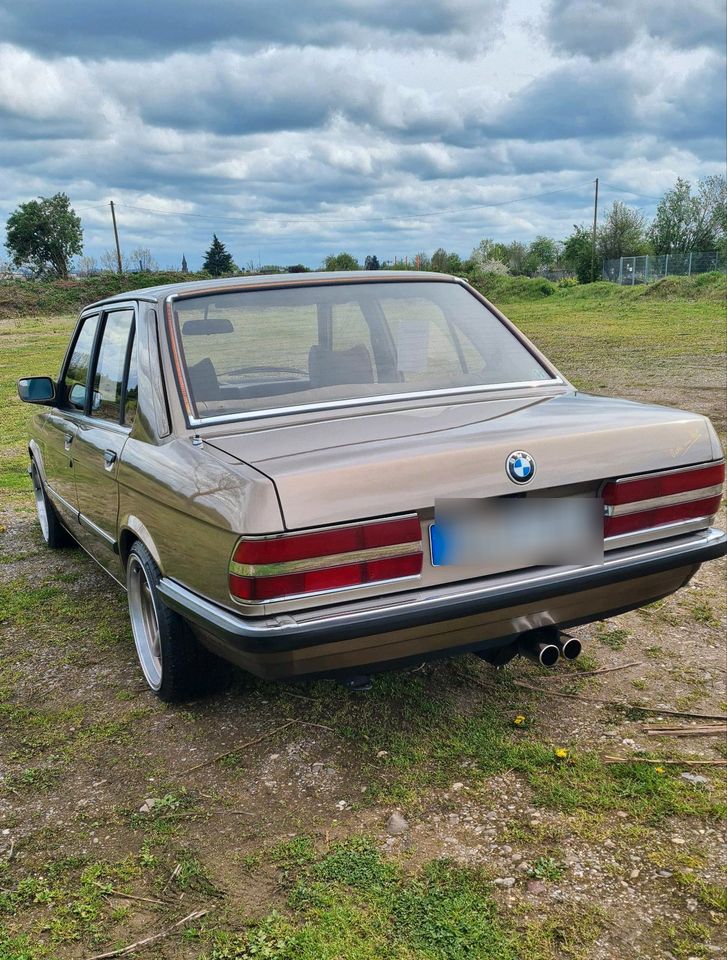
200	286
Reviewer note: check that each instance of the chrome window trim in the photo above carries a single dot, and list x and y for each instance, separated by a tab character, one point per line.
640	506
369	401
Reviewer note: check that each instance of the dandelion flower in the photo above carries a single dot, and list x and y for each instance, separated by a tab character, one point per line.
519	720
561	753
659	770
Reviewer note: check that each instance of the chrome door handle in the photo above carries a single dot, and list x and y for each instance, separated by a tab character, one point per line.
67	440
109	456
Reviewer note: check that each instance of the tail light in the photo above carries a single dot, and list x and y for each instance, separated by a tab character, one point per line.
643	502
273	568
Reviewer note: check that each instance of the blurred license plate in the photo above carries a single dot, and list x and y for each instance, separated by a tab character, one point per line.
510	534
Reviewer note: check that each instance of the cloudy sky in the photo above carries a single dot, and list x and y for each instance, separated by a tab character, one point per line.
296	128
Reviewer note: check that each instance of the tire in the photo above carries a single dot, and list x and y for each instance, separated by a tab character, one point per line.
54	533
175	665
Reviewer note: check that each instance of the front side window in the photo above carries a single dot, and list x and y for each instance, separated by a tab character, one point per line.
111	364
247	351
76	375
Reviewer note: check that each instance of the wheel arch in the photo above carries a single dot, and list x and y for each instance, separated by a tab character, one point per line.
133	530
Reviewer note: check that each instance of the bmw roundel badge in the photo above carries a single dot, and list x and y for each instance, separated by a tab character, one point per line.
520	467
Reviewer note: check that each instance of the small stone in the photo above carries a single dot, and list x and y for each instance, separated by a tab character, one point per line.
608	842
516	857
382	753
505	881
148	805
628	742
693	778
397	824
634	873
317	768
342	804
664	873
456	786
524	865
535	887
621	815
453	819
679	841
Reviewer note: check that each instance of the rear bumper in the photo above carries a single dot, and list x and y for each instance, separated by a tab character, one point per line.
436	622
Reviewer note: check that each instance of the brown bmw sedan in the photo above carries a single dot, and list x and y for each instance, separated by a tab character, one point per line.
330	474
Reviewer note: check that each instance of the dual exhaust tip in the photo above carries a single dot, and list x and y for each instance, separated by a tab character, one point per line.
548	645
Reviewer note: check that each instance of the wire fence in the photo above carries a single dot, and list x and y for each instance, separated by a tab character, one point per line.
632	270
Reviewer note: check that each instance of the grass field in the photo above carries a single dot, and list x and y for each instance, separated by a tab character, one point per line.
521	842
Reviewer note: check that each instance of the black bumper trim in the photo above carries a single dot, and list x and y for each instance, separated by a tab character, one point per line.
283	632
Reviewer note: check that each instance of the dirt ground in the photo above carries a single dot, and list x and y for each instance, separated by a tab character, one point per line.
116	820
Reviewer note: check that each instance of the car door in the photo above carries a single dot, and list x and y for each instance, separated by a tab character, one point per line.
61	423
102	433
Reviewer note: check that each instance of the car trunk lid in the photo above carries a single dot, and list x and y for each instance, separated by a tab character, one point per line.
382	463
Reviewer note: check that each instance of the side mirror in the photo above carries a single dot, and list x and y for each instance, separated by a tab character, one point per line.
77	396
37	390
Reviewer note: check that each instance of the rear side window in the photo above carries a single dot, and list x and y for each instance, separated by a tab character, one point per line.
76	375
131	395
111	365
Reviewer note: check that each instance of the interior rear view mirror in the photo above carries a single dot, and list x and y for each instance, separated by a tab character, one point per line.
37	390
206	326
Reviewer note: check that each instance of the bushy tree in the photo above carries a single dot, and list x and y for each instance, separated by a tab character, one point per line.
217	260
622	233
341	261
444	261
372	263
297	268
686	221
577	253
517	258
542	254
44	234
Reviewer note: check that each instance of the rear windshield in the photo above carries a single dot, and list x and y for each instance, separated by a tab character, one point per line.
244	352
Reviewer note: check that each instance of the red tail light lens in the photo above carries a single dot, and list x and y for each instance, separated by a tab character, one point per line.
305	563
660	499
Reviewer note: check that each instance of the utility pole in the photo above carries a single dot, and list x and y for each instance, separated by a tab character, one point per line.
593	242
116	236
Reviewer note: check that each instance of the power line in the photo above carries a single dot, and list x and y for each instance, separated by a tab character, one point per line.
634	193
388	219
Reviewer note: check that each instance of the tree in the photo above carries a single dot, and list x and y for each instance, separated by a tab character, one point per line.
217	261
341	261
87	266
622	233
110	263
482	252
141	257
185	268
577	253
44	234
297	268
542	254
686	222
517	258
372	263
